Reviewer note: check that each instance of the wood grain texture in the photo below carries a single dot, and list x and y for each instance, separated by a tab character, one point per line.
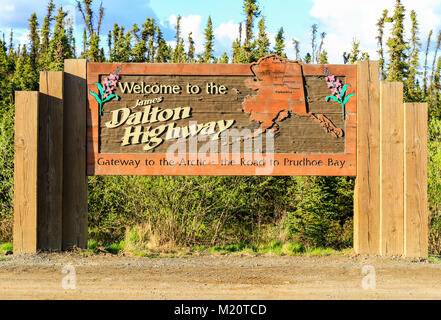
296	134
416	219
25	172
367	189
50	157
74	155
392	169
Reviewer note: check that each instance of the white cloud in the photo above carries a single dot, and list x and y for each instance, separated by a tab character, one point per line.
193	24
344	20
227	33
23	39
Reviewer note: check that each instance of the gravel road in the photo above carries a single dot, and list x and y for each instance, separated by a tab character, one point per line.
216	277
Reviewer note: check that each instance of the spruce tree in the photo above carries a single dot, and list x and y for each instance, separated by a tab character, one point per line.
320	49
263	43
122	48
224	58
412	90
148	36
297	49
45	31
397	68
279	47
426	66
308	58
179	55
163	53
59	46
435	58
209	38
380	37
139	48
323	58
92	37
251	12
34	38
191	49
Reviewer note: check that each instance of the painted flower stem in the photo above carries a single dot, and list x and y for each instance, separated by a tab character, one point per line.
106	90
338	91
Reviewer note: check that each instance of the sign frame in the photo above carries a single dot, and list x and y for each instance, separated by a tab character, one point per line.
95	70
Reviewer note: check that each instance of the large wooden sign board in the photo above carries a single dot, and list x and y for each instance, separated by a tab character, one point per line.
274	117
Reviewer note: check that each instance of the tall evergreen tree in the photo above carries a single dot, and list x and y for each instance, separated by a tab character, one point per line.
224	58
34	38
279	47
59	46
397	68
191	49
263	43
45	36
296	44
92	40
412	89
251	12
426	66
435	58
208	55
163	53
122	48
179	55
380	40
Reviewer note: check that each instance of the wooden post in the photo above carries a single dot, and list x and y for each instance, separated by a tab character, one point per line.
416	217
25	172
74	155
367	189
391	169
50	157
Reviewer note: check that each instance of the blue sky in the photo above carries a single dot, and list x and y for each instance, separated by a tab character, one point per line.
342	20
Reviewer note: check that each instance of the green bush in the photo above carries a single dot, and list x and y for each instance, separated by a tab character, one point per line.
210	211
434	192
6	171
322	216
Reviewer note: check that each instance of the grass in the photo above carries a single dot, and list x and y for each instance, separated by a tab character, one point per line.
7	247
435	259
274	248
114	248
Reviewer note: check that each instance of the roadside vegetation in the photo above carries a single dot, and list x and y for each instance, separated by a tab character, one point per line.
259	215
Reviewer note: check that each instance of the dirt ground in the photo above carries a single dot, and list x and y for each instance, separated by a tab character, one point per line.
216	277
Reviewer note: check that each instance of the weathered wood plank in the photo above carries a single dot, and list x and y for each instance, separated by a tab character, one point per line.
416	218
50	157
25	172
367	190
74	155
392	169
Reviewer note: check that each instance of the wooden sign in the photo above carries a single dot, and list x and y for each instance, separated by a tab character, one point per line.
273	117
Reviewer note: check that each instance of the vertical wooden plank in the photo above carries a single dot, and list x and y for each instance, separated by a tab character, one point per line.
50	156
74	155
25	172
392	169
416	216
367	189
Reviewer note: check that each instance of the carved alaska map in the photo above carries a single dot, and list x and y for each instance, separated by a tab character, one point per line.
281	93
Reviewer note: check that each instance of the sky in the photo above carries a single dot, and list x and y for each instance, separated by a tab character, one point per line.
342	20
